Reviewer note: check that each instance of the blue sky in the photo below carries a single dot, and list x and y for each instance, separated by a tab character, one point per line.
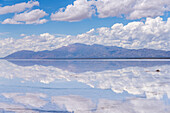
137	24
56	27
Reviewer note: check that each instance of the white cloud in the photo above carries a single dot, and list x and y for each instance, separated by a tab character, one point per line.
39	21
80	9
18	7
153	34
32	17
149	8
112	8
131	9
22	35
11	21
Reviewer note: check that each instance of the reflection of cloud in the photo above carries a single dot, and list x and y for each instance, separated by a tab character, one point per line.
15	108
74	103
27	99
134	80
131	105
79	104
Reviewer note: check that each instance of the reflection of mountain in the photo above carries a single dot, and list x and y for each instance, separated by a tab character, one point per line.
79	66
90	51
135	80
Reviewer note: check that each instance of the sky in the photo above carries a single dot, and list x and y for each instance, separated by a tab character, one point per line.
49	24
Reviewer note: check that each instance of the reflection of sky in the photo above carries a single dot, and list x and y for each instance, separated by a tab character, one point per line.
133	87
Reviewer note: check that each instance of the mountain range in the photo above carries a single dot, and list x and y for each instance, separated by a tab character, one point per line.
78	50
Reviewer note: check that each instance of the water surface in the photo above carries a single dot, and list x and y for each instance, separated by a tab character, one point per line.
85	86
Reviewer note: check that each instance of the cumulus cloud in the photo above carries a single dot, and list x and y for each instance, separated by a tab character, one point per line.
131	9
112	8
32	17
153	34
80	9
18	7
22	35
11	21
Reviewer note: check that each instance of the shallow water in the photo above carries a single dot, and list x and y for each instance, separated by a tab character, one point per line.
85	86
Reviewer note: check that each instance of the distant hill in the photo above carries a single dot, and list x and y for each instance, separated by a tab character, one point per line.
78	50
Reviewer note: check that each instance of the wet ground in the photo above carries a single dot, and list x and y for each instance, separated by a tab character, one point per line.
85	86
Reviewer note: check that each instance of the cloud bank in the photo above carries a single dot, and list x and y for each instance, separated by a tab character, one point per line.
131	9
153	34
